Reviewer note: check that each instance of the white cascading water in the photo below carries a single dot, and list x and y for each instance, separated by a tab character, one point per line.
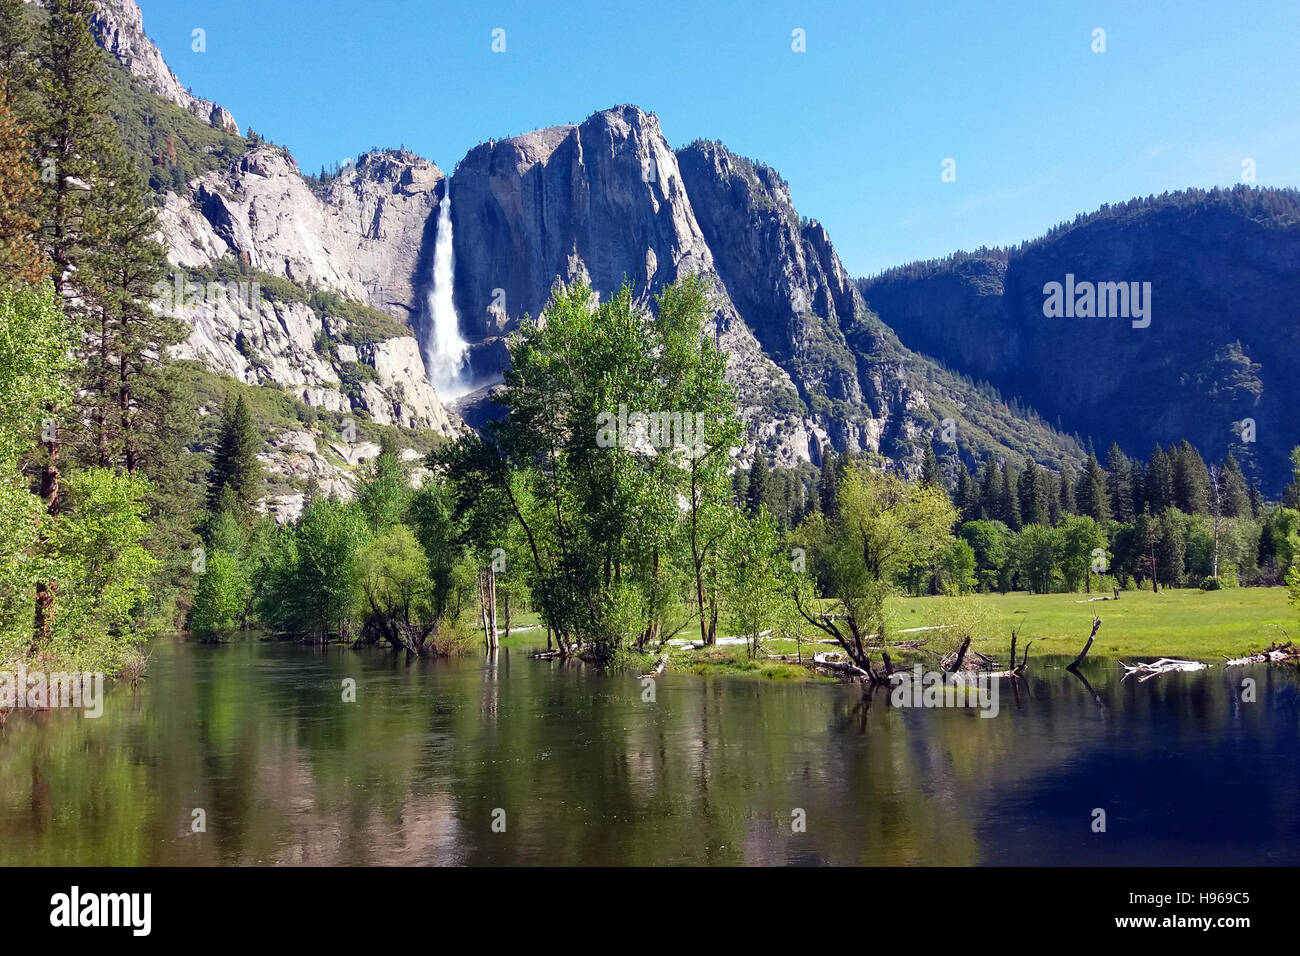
445	352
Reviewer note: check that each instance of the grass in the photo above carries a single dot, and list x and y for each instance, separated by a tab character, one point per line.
1186	623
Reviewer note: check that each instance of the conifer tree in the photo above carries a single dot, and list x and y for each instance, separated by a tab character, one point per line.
930	474
1069	505
1032	490
1158	493
1008	507
235	481
828	487
21	259
1191	480
78	131
1236	496
1119	484
758	492
1090	495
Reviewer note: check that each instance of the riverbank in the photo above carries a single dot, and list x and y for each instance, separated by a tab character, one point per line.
1187	623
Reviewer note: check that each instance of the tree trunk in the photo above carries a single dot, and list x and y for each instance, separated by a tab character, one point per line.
43	627
1096	623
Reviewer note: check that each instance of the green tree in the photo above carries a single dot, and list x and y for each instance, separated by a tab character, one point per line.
930	473
884	527
990	542
221	595
757	589
35	344
1119	484
757	493
1080	538
1236	496
1191	480
235	480
1032	492
101	569
396	591
1091	492
1036	551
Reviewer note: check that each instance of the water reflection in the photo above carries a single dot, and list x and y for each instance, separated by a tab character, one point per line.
582	771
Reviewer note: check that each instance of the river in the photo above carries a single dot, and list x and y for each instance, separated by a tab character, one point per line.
525	761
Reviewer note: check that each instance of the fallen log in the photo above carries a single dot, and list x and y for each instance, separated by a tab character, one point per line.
1273	654
841	667
1096	624
1162	666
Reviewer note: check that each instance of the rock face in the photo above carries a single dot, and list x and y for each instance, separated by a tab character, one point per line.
365	238
603	202
608	200
1222	347
119	28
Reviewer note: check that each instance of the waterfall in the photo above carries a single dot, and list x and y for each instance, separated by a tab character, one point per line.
445	352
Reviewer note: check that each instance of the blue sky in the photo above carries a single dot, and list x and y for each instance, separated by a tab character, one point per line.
1040	126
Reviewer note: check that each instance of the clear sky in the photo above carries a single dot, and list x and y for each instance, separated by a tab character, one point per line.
1040	126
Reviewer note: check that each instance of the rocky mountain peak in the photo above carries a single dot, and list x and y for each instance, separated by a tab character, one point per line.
118	26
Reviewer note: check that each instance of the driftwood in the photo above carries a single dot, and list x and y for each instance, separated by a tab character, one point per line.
841	667
1162	666
1016	670
1273	654
1096	623
961	655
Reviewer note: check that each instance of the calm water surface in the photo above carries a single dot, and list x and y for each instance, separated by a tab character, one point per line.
256	735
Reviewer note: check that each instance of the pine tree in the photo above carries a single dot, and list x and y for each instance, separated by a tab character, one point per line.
1171	547
1119	484
930	474
20	68
1256	500
966	494
127	394
1008	506
235	481
1032	492
1147	535
1091	492
1266	555
1191	480
1158	493
1069	505
78	132
758	492
988	489
739	484
21	259
1137	485
828	487
1052	491
1236	497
